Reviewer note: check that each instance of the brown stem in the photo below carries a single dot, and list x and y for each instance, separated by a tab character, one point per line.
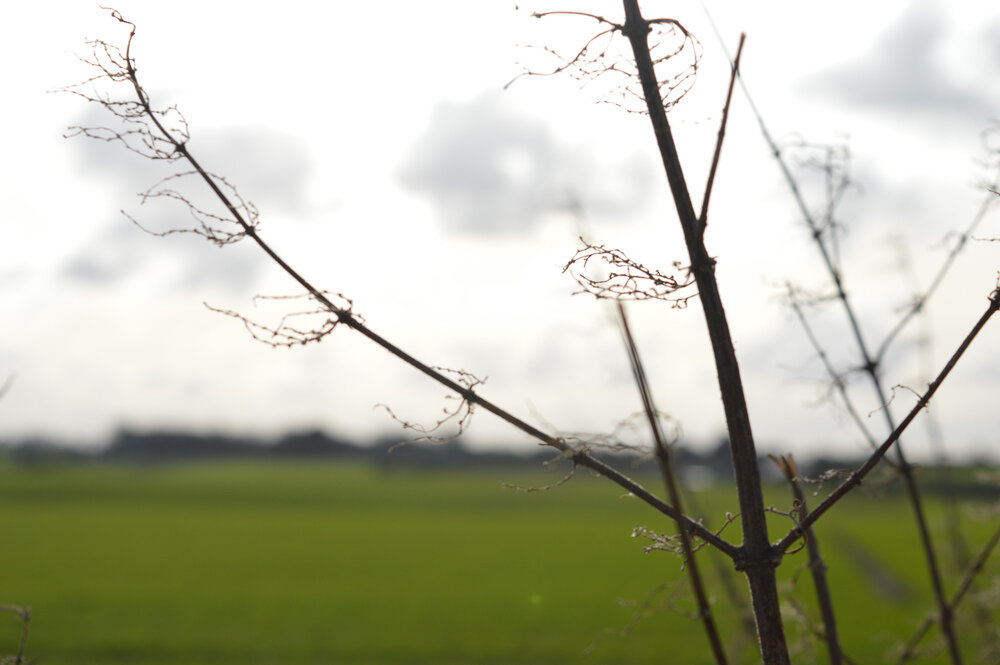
870	365
817	567
759	559
725	574
703	217
673	492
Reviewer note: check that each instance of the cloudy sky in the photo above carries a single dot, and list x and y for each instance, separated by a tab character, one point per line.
389	164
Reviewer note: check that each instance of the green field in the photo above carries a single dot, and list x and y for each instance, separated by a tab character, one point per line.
292	563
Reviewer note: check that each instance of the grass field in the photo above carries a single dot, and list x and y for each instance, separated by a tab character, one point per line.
266	562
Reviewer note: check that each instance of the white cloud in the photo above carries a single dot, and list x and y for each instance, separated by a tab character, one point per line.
904	75
489	169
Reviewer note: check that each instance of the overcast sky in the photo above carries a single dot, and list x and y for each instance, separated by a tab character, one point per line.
390	165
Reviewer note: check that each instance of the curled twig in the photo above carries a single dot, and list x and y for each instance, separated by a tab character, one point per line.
458	414
218	228
621	278
152	133
288	332
544	488
605	57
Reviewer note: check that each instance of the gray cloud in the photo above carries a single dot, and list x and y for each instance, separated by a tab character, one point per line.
270	169
989	44
902	74
121	252
109	256
490	170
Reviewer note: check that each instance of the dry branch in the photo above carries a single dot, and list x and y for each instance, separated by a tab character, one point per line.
855	478
817	567
157	141
673	491
758	560
703	217
870	364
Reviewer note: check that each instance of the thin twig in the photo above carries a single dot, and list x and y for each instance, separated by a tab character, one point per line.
918	304
855	478
963	588
663	455
817	567
838	381
870	366
759	560
703	217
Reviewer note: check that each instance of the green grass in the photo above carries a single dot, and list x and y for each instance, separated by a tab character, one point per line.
325	563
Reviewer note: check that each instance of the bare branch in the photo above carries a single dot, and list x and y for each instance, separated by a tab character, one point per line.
288	332
703	217
757	557
920	301
869	362
837	380
663	455
162	138
858	475
817	567
458	415
621	278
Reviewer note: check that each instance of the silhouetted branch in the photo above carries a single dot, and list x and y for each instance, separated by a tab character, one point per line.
837	380
870	364
663	455
758	560
855	478
703	217
459	415
164	144
217	228
817	567
921	300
